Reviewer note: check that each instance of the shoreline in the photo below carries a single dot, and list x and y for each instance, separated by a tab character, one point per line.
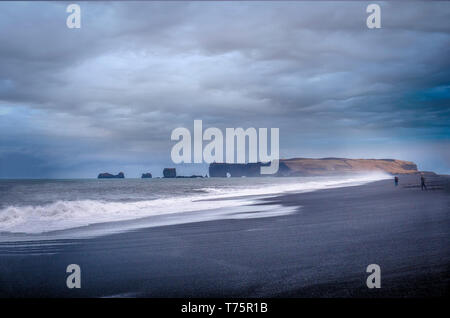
320	251
186	203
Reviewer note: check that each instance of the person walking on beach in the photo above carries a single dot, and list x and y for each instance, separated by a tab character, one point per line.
396	181
422	183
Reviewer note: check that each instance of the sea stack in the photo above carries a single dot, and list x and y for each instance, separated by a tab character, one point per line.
170	173
106	175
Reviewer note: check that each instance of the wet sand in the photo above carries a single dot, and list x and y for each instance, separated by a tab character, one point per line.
320	251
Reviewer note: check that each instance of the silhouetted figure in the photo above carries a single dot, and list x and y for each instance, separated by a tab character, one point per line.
396	181
422	183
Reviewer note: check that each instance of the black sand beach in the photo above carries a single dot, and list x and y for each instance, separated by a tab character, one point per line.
321	251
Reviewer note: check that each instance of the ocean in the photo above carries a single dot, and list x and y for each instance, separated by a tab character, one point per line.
89	207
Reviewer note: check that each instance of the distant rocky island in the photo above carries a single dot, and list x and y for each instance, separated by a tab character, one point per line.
191	177
169	173
106	175
296	167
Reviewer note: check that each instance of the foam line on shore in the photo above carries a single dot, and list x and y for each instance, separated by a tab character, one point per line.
63	215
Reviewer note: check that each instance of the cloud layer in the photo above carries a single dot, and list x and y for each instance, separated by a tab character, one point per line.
108	95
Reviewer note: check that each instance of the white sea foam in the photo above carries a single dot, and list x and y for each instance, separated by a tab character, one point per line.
215	204
307	186
69	214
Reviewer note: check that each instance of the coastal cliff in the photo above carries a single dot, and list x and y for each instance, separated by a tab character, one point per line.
326	166
315	167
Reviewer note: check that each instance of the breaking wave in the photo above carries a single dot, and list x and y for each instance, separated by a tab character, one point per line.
62	215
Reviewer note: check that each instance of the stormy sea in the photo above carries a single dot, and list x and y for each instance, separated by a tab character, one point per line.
225	237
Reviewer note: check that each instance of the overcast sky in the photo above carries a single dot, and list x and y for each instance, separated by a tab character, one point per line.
76	102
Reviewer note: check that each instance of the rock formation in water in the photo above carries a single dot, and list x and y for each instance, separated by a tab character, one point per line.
106	175
169	173
146	175
315	167
189	177
235	169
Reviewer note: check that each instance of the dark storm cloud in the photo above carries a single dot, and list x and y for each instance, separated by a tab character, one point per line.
109	94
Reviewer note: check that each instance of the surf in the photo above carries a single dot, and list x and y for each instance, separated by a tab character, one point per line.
208	201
